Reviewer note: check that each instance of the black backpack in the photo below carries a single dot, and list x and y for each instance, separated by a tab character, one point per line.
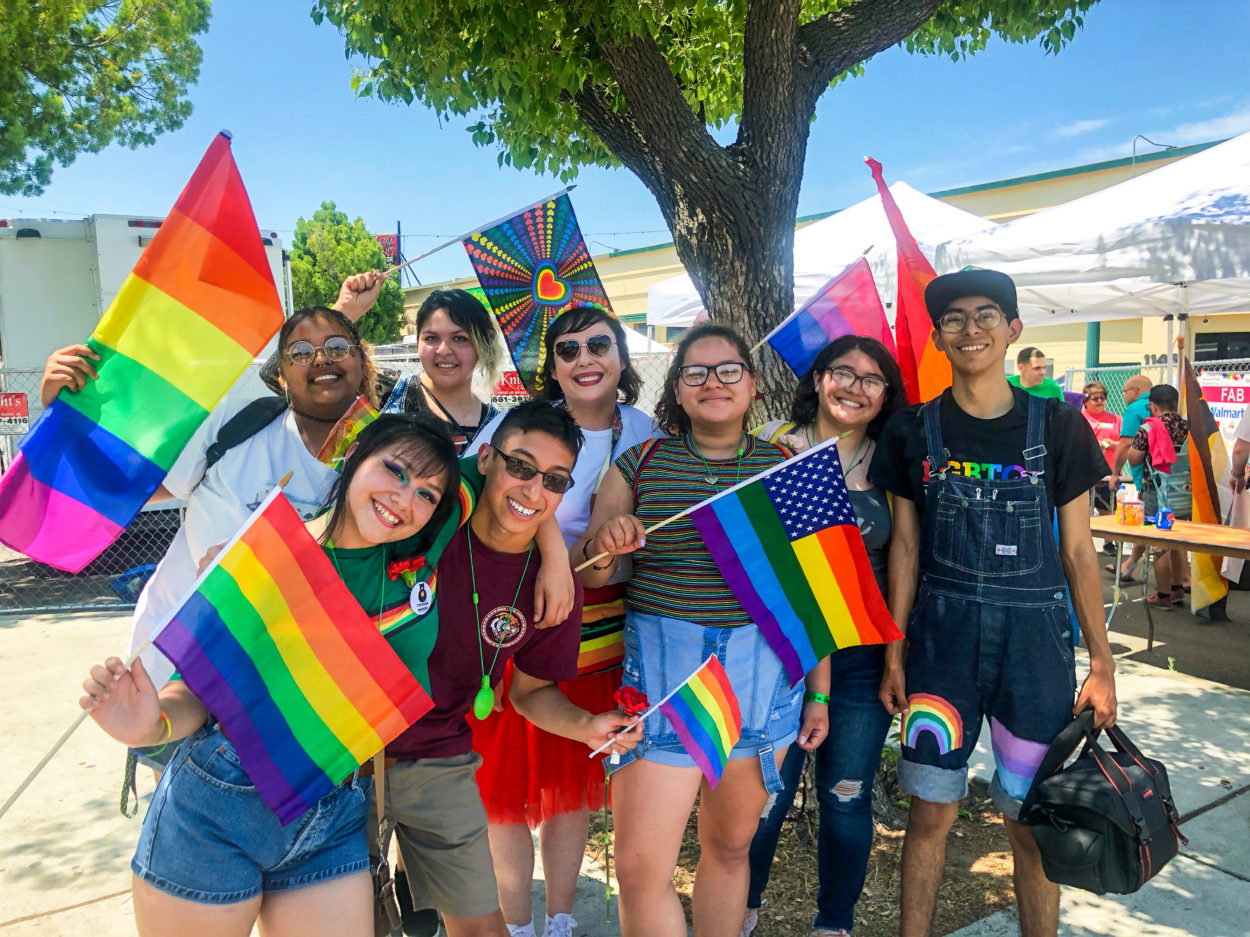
241	427
1105	823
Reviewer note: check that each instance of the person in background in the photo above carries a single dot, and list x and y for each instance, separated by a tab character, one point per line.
1164	434
1106	427
1240	455
1136	412
852	388
1031	376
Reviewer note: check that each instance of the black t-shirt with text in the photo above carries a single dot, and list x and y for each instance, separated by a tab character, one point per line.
989	449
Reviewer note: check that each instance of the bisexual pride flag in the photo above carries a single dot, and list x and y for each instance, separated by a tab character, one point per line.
197	308
300	678
704	713
788	544
849	304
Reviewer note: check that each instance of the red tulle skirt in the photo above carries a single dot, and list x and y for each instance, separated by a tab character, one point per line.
528	775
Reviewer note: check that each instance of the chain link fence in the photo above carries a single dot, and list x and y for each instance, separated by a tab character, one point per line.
114	578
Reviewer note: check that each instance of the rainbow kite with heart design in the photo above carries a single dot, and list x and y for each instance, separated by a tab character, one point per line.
532	265
198	307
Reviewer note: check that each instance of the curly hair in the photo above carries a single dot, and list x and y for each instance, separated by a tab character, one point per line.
669	415
577	318
807	398
368	373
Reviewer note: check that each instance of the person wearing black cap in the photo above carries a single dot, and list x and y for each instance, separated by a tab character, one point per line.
980	587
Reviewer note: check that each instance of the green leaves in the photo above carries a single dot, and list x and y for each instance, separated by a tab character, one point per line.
77	75
329	248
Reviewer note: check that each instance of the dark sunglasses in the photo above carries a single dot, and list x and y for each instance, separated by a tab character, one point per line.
519	468
598	345
1101	397
304	353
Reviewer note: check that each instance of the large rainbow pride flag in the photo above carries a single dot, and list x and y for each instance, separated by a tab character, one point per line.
197	308
704	713
926	371
849	304
789	547
300	678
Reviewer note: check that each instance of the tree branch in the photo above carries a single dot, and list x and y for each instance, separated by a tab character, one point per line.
841	39
770	70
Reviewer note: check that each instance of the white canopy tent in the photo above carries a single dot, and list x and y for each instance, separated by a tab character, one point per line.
824	248
1174	241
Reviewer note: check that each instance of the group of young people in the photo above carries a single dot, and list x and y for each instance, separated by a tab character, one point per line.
954	500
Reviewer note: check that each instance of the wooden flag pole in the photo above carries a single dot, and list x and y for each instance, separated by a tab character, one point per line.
651	709
657	526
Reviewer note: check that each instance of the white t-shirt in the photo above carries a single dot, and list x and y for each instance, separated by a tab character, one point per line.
217	504
1242	431
574	511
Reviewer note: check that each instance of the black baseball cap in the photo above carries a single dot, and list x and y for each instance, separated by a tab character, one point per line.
944	290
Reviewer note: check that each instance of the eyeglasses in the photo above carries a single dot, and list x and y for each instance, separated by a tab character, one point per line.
844	379
304	353
519	468
1096	397
985	319
598	345
727	372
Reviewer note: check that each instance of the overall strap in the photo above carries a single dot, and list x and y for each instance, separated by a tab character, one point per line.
1035	439
939	456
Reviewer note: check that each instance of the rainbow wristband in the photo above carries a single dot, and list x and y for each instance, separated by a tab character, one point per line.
816	698
169	734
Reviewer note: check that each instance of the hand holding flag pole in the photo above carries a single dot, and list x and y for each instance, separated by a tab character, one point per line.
651	709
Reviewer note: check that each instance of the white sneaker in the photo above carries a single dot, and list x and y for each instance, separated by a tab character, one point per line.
749	920
521	930
830	932
559	926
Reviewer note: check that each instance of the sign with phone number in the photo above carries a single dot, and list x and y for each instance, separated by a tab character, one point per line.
14	414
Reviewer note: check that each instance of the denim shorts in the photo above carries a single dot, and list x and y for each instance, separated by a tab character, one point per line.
208	837
661	652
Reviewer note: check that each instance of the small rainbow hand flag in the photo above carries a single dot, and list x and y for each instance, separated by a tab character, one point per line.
789	547
299	677
704	714
198	307
334	450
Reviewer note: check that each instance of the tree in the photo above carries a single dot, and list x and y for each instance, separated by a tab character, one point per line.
77	75
326	251
559	86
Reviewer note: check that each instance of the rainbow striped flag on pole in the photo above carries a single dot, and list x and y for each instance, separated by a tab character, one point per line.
197	308
300	678
789	547
704	714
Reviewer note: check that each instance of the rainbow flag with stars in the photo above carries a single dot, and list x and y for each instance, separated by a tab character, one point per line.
197	308
704	713
788	544
300	678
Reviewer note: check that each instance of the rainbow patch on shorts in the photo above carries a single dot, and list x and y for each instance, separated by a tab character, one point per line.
932	714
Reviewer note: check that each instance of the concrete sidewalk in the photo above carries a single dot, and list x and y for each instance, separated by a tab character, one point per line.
65	848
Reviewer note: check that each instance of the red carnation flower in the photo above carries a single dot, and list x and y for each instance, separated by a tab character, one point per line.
396	568
633	701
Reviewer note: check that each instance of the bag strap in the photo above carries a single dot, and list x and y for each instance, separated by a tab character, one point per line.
1119	738
241	427
1060	750
379	796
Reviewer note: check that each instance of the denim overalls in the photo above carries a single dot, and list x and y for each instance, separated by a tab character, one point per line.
990	633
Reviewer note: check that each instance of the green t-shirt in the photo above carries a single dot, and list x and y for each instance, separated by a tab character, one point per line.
1047	388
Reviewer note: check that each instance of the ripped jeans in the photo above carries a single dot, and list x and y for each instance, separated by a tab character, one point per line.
846	765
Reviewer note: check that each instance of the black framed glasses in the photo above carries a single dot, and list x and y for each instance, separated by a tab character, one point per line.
568	349
304	353
727	372
844	378
519	468
984	319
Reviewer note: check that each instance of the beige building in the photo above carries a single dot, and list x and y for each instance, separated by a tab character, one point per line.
627	274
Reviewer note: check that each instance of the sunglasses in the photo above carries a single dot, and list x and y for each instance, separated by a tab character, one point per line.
304	353
1102	397
598	345
519	468
727	372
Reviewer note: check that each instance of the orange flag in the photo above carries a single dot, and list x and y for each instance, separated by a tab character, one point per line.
926	372
1207	460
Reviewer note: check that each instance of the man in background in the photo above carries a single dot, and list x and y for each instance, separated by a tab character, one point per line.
1031	375
1136	412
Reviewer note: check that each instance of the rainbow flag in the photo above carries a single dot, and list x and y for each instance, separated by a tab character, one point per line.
704	714
847	305
531	265
926	372
334	450
1208	458
789	547
299	677
197	308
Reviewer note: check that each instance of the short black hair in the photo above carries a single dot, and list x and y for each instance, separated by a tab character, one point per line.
1028	354
540	416
1164	396
467	312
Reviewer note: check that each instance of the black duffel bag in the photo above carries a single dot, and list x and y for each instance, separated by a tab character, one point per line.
1106	822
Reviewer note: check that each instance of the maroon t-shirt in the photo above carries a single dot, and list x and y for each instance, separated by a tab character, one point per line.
455	665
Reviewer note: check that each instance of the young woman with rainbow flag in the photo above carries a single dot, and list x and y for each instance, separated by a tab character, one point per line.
213	858
678	611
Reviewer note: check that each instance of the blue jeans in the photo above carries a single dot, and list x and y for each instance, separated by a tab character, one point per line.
846	765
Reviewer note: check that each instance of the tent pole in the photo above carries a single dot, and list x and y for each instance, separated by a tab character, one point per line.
1167	355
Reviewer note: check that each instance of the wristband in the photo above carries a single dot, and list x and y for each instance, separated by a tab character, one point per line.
169	734
586	556
816	698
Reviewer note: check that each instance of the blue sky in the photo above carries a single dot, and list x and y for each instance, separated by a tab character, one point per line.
1173	71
